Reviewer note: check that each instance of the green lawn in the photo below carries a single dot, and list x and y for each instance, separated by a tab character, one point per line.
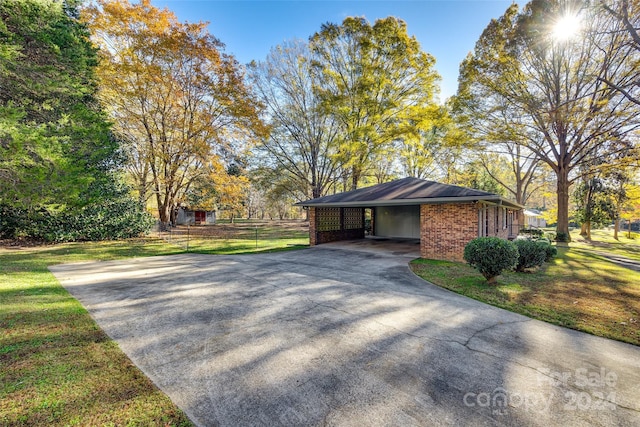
244	236
603	241
579	289
58	367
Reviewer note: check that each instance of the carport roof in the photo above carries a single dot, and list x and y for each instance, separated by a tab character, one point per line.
407	191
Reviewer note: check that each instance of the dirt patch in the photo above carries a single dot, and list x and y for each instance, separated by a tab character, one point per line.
21	243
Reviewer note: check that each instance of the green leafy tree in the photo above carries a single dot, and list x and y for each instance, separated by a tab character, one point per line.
594	203
377	83
54	140
517	169
473	175
421	153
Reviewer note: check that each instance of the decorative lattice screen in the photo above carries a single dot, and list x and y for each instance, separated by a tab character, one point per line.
353	218
328	219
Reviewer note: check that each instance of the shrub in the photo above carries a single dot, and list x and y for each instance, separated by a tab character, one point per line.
490	256
533	232
562	237
12	221
530	254
113	215
549	250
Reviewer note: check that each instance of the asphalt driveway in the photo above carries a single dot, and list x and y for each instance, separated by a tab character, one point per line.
330	336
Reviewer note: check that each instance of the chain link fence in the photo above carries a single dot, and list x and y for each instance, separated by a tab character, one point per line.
242	236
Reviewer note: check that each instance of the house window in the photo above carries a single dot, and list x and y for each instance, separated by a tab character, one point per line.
505	222
483	221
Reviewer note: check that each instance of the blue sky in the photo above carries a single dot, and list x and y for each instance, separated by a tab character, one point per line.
447	29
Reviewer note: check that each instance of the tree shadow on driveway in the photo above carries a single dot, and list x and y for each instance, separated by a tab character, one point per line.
333	337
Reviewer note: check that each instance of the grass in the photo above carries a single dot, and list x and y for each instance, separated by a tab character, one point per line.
579	289
248	236
603	241
58	367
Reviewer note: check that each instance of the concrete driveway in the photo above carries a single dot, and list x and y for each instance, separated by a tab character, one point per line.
335	336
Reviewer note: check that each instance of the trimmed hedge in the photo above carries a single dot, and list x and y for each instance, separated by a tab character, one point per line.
550	251
491	256
530	254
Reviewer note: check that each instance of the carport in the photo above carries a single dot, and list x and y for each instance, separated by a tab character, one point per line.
443	217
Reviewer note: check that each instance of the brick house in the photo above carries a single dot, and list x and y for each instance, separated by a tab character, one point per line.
444	217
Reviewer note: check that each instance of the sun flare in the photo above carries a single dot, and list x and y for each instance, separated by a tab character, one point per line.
567	27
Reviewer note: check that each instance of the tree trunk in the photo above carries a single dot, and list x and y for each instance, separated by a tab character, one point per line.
616	228
142	194
563	202
173	216
587	227
163	213
355	177
585	230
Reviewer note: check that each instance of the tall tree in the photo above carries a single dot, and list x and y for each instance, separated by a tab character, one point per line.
303	139
627	13
174	96
421	152
594	203
377	82
566	115
517	171
54	139
491	134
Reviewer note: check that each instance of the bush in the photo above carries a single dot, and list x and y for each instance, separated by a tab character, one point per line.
490	256
533	232
11	221
113	215
562	237
530	254
550	251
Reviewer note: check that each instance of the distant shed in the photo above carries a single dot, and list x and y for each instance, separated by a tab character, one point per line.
195	217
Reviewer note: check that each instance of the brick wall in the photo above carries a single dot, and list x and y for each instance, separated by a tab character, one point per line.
445	229
345	228
498	221
312	227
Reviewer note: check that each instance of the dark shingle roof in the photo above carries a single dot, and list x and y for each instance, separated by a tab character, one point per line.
405	191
